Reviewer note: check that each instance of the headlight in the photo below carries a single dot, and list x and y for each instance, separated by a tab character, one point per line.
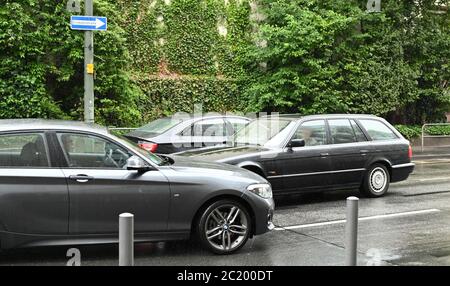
262	190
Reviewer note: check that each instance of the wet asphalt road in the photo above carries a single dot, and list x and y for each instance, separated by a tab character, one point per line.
409	226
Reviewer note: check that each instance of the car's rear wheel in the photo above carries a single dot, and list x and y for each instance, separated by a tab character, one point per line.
376	181
224	226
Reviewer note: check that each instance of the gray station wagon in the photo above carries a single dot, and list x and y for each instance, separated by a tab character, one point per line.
67	182
319	152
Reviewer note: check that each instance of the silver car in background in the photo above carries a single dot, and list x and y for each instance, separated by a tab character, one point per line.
64	182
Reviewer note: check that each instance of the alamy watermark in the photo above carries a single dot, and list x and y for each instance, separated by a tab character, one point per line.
201	134
74	256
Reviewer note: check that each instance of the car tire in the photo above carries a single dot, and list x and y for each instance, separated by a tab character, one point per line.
376	181
224	226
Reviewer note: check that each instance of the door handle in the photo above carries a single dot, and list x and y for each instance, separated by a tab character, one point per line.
81	178
364	152
324	154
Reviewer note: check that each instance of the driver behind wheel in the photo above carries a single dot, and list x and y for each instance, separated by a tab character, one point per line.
114	156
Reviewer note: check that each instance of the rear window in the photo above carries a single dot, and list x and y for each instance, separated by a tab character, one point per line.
237	123
377	130
23	150
206	127
160	126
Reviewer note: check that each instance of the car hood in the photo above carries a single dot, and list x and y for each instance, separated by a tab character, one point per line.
211	169
223	152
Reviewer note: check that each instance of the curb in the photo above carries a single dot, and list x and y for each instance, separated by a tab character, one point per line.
430	156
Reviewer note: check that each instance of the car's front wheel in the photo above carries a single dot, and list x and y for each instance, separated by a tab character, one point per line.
224	226
376	181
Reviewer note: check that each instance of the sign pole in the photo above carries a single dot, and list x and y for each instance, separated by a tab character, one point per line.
88	67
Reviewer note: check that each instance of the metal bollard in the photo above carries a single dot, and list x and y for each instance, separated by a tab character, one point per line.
126	239
351	231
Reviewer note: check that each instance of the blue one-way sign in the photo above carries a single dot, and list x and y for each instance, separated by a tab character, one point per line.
88	23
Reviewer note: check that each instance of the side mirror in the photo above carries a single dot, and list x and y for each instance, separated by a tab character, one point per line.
134	163
296	143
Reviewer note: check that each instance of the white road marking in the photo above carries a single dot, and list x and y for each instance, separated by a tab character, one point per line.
360	219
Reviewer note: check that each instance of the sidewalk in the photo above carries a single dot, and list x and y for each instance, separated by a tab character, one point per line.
441	152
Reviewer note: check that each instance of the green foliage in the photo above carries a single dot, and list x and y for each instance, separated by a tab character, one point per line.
178	57
327	56
437	130
409	131
160	57
181	38
415	131
41	64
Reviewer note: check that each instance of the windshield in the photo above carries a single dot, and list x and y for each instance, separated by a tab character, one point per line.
160	126
263	131
155	159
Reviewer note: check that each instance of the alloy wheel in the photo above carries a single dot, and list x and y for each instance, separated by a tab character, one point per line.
226	227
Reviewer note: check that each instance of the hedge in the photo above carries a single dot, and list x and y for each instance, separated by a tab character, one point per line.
165	96
415	131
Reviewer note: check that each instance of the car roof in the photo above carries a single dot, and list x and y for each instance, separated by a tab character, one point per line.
195	117
48	124
320	116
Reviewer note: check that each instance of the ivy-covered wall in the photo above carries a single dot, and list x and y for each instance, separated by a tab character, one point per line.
165	96
186	52
186	37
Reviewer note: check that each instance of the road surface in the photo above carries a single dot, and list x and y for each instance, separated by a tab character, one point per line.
409	226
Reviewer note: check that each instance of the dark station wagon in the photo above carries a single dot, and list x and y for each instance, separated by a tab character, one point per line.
319	152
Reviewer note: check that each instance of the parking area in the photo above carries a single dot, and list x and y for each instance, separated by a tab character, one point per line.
409	226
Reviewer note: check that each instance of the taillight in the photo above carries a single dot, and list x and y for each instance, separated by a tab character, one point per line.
151	147
410	152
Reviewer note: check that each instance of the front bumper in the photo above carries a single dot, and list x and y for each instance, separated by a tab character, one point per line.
263	210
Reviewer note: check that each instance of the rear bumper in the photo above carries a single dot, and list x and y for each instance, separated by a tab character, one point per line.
401	172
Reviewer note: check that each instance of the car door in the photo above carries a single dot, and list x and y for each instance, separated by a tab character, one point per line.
349	152
101	188
33	193
308	167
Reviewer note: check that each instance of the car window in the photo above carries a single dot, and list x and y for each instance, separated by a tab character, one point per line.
264	131
237	124
360	137
159	126
87	151
313	132
377	130
206	127
20	150
341	131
